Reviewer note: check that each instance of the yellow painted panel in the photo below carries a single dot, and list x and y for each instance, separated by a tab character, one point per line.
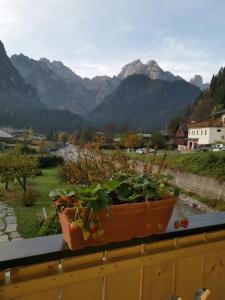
214	274
163	245
34	271
158	282
2	277
123	252
188	276
123	286
85	290
83	276
91	259
48	295
216	235
191	240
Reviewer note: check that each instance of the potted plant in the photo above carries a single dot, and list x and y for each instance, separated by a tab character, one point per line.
128	206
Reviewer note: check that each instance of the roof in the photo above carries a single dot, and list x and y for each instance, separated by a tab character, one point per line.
117	139
205	123
183	126
4	134
146	135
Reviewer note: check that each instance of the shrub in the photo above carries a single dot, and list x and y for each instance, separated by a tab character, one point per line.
24	149
29	197
50	226
50	161
95	166
39	173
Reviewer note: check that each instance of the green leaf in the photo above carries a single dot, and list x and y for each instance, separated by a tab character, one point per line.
112	185
54	194
101	201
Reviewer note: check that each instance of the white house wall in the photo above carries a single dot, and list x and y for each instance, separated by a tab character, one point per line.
223	118
207	135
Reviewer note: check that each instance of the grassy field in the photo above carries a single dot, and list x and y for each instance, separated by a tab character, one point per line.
210	164
28	225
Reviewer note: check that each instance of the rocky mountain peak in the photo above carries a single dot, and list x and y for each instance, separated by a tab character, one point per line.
135	67
134	63
150	69
21	57
198	81
46	63
15	94
64	71
2	49
45	60
153	64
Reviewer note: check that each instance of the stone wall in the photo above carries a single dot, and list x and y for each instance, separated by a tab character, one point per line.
201	185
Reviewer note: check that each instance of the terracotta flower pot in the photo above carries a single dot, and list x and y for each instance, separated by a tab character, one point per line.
124	222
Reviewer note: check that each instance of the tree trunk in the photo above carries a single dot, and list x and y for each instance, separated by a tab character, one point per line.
23	183
6	185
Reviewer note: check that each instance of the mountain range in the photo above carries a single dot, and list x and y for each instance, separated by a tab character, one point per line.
61	88
141	103
21	106
211	100
54	88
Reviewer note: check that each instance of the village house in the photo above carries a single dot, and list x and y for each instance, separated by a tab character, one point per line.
195	134
182	136
5	135
207	132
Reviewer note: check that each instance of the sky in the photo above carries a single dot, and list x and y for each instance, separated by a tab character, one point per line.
98	37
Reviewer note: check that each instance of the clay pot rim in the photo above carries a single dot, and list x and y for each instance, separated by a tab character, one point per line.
127	206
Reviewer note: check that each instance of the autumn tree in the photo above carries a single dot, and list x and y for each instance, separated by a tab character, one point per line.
86	135
6	170
24	149
28	134
62	137
109	133
131	140
42	145
72	139
23	167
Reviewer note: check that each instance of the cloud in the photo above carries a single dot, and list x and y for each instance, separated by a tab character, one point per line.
94	69
9	20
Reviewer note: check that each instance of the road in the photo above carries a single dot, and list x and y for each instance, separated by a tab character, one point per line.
69	152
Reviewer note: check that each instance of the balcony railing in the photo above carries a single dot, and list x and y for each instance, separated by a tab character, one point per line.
189	264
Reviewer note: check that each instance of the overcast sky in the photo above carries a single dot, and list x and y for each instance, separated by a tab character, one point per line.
97	37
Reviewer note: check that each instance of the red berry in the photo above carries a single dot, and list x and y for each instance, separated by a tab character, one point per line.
73	227
177	224
184	222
